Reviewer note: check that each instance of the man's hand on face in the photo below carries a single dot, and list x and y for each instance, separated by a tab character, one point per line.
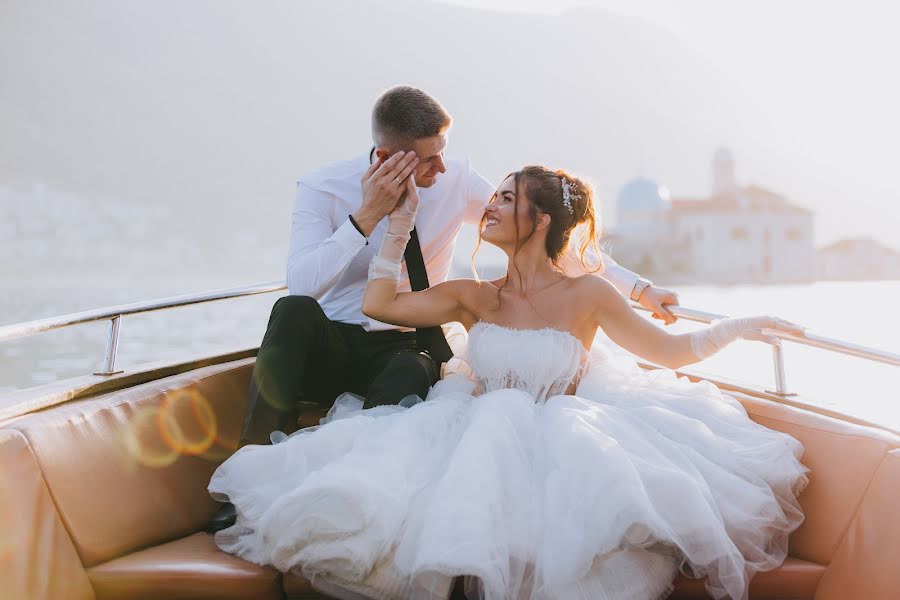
655	300
382	186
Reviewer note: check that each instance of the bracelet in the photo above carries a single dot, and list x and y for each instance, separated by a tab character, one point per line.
640	285
358	228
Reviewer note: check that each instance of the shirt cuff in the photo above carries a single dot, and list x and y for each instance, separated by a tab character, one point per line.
620	277
349	237
358	228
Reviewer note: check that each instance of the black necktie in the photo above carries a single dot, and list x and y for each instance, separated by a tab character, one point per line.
430	339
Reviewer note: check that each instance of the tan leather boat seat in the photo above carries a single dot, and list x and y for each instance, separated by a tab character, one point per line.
111	491
843	459
189	567
127	472
37	558
794	579
129	469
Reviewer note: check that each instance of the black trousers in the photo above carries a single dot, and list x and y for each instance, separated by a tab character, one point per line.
305	357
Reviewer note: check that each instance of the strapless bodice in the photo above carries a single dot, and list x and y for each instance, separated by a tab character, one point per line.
542	362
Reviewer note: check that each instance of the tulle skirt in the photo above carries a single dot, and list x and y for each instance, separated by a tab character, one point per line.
604	494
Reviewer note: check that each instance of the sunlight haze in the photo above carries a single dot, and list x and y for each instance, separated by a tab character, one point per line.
825	72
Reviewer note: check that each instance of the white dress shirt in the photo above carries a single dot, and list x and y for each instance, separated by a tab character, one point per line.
329	258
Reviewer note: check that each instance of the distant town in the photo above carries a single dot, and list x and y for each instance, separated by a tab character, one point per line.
739	234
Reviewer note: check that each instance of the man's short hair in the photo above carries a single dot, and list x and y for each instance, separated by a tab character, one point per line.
404	114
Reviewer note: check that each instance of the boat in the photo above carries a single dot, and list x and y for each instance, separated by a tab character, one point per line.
103	478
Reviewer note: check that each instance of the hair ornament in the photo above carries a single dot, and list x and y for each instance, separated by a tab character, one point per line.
569	194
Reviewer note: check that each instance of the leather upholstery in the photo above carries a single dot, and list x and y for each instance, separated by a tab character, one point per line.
37	558
795	578
189	568
110	465
298	587
843	458
867	562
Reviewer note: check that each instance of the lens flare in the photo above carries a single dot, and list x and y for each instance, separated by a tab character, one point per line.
144	442
269	391
187	422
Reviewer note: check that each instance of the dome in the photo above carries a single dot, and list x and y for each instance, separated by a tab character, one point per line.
642	194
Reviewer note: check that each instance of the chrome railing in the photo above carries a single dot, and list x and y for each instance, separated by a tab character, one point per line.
114	315
807	338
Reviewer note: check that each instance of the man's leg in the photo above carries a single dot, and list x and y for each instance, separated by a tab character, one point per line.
299	339
404	372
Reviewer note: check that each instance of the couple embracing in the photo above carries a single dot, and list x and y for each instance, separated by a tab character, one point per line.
534	468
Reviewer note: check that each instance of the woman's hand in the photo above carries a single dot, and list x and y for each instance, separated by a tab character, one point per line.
439	304
708	341
400	223
402	219
760	328
382	185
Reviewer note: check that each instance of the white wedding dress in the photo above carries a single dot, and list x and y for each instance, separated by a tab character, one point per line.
529	493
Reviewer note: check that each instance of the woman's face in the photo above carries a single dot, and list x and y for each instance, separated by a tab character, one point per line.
499	227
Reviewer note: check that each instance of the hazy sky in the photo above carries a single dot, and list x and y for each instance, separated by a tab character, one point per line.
828	69
804	93
832	65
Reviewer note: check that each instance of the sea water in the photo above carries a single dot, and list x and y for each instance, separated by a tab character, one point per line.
860	312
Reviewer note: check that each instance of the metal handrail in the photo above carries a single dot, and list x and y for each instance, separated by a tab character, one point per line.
807	338
114	314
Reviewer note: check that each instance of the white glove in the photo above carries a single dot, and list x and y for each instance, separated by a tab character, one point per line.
708	341
401	220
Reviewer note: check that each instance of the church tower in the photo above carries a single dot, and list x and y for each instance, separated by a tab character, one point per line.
723	184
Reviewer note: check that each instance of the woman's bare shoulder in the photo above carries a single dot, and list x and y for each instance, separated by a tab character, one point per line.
596	295
594	285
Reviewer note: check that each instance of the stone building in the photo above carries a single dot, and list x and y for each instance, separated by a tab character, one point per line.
739	234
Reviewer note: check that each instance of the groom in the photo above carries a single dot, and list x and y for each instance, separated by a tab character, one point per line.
318	343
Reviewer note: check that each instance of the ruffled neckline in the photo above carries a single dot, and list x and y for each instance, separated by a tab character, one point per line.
530	330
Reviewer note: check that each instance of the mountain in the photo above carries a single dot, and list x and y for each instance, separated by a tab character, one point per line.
212	108
224	103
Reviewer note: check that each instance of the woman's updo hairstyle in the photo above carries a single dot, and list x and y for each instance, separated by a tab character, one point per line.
569	201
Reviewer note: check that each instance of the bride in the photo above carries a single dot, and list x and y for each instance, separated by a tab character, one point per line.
547	472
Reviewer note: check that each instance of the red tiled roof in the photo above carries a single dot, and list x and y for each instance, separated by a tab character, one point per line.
757	198
853	244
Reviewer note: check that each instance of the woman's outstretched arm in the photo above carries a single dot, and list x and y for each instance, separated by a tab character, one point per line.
637	335
436	305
